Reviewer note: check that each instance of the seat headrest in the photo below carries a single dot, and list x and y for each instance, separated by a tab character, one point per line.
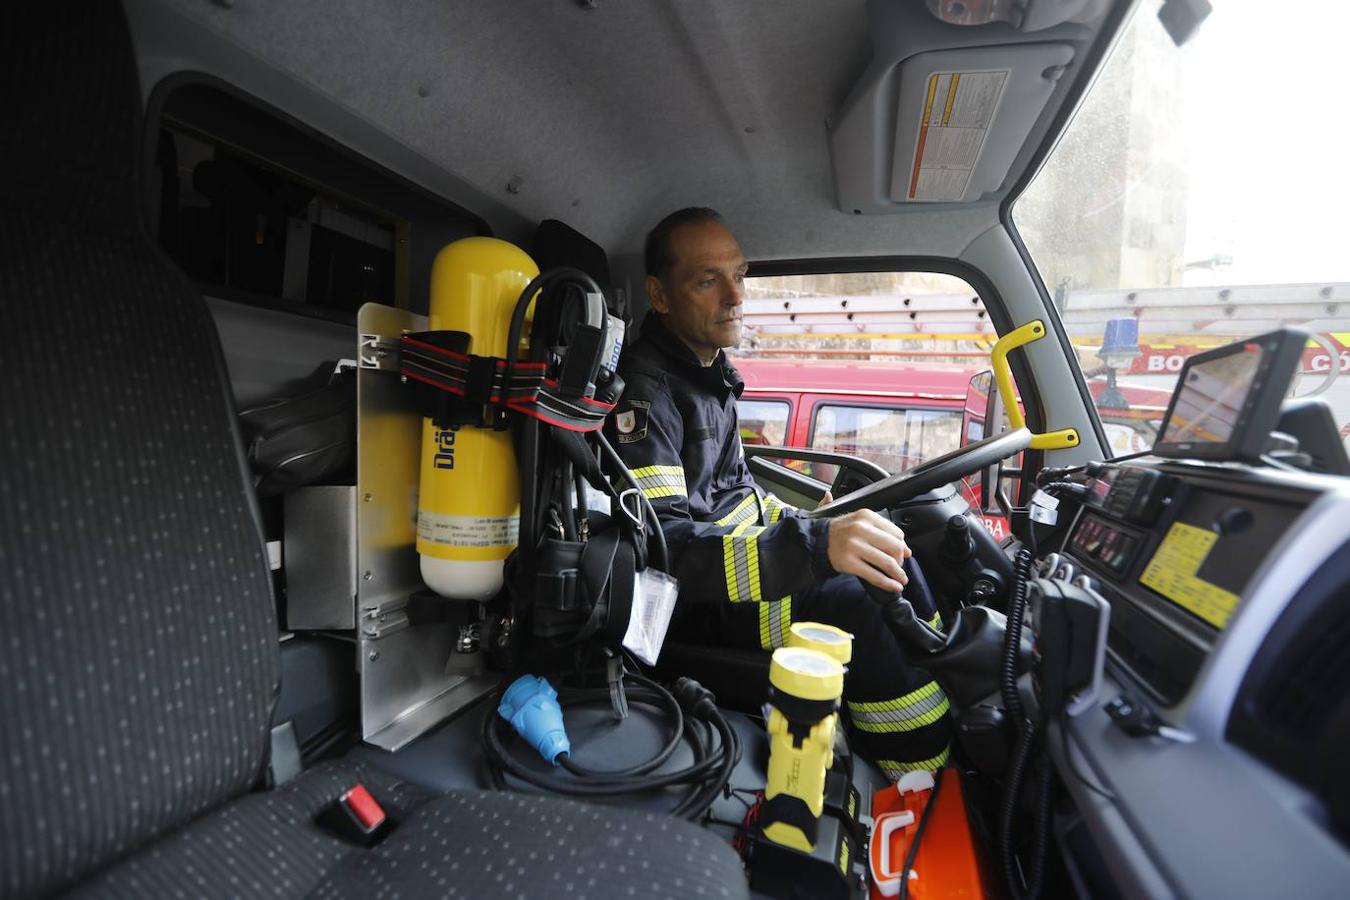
71	138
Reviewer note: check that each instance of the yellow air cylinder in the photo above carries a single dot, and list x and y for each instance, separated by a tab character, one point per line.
468	511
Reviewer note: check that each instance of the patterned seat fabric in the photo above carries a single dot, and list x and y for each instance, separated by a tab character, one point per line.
476	844
263	845
465	844
138	657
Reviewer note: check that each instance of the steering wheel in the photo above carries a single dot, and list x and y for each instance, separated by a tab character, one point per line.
891	492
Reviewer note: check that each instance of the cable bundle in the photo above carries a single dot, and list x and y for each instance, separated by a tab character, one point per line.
693	718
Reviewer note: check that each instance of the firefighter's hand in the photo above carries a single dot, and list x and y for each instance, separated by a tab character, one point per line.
871	546
827	498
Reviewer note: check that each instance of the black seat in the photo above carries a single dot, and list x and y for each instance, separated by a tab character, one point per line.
139	661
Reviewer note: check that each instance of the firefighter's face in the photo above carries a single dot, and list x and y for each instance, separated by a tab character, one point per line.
701	298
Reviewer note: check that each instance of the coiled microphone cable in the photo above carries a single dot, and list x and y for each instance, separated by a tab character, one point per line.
1028	732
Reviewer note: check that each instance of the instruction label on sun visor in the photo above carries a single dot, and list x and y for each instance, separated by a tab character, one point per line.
958	109
1172	573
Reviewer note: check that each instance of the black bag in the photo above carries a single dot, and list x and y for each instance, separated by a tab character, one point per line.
305	436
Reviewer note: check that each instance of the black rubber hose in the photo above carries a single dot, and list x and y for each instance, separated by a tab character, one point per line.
1008	810
539	285
652	694
596	784
662	558
597	787
579	485
1012	645
1041	839
569	512
713	787
705	777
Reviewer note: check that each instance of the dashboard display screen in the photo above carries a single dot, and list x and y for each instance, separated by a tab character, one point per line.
1212	397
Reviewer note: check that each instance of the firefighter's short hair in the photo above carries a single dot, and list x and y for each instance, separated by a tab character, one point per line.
658	253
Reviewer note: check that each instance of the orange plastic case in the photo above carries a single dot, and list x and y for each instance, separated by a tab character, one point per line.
945	865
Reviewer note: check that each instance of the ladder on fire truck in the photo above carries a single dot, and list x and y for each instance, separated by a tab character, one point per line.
1187	318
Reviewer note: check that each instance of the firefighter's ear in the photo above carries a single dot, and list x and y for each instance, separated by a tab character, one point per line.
656	293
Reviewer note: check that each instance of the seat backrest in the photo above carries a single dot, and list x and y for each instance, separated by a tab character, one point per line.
139	659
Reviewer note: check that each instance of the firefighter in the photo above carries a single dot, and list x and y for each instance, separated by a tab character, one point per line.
748	564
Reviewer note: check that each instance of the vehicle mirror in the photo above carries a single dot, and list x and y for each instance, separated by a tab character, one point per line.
985	416
847	481
978	394
991	479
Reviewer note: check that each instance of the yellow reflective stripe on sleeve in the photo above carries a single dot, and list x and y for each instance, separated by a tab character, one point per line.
774	621
894	768
661	481
740	561
659	470
667	490
908	713
936	621
747	510
774	508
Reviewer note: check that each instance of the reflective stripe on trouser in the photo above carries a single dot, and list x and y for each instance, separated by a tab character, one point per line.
879	682
661	481
894	768
908	713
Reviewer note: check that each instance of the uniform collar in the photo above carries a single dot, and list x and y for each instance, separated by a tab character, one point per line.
721	374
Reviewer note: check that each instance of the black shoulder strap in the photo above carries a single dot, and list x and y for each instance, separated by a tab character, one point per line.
608	570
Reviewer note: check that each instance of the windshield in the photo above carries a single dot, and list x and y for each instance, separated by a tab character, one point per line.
874	364
1198	197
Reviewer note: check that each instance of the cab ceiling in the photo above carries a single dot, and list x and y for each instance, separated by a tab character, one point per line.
606	117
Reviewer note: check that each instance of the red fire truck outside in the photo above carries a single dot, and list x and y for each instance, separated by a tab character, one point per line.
897	415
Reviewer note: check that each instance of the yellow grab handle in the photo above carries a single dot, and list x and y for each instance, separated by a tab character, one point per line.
1007	391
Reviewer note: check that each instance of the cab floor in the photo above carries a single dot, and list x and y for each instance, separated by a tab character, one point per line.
451	757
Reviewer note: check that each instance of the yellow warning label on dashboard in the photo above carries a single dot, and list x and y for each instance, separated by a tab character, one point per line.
1171	572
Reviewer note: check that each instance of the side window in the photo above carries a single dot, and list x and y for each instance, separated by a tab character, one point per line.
882	358
894	438
763	421
260	212
236	224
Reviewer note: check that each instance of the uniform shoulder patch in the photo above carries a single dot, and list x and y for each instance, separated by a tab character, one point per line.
630	422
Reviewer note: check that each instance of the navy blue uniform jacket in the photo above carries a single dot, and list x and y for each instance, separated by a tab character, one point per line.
676	428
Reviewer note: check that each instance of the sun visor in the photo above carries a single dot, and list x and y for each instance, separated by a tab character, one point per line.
942	126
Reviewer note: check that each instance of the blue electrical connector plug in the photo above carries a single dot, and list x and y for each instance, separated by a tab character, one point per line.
530	704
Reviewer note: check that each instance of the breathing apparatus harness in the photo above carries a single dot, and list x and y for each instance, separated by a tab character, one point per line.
574	571
581	578
557	397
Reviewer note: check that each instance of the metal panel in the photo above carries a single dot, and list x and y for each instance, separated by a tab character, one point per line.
405	688
268	350
320	557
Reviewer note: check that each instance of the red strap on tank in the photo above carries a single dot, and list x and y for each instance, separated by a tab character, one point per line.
528	391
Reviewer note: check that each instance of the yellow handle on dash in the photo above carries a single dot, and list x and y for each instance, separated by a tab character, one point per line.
998	359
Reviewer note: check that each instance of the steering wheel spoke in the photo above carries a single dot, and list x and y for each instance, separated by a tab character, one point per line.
896	489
